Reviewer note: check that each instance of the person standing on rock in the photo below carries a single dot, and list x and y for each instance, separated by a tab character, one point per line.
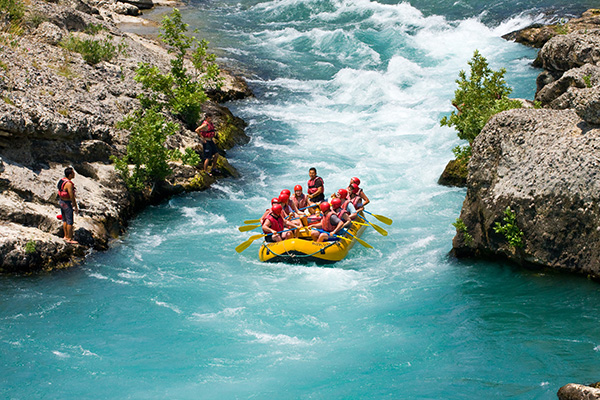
67	203
207	133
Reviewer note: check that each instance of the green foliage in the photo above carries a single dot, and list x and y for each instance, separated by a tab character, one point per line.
462	228
588	80
94	29
146	151
30	247
189	157
509	229
462	153
93	51
11	12
478	97
537	104
561	27
181	91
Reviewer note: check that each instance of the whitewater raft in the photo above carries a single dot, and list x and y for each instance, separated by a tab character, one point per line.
303	249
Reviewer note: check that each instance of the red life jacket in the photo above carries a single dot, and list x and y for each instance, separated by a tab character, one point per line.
357	202
276	223
61	184
345	205
340	213
300	203
312	188
327	225
210	132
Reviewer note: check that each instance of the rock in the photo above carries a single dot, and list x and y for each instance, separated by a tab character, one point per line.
543	164
564	52
574	391
455	174
1	165
535	35
563	93
141	4
125	9
588	106
49	33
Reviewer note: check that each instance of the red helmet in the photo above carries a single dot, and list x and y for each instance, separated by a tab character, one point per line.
354	187
336	203
297	187
355	180
343	193
283	198
274	200
286	192
324	206
277	209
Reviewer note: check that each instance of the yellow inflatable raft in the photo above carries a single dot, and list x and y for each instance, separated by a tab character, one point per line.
304	249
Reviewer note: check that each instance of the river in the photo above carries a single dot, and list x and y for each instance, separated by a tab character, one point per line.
353	88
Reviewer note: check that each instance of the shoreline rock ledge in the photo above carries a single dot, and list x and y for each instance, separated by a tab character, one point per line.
57	110
543	164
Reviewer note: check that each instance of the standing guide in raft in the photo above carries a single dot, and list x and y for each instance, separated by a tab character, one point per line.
207	133
316	187
67	203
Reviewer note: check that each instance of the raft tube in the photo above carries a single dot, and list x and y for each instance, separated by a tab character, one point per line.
303	249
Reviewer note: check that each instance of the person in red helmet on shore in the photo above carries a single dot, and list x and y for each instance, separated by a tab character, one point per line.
274	224
330	223
355	181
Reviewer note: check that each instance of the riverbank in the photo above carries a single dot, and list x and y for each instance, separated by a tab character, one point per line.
59	110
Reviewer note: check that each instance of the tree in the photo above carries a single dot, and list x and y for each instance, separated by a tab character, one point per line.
179	90
479	96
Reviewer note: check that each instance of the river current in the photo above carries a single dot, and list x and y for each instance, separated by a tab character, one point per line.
353	88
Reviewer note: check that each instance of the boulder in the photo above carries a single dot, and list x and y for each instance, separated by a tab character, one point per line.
141	4
49	33
455	174
563	92
573	391
564	52
125	9
543	164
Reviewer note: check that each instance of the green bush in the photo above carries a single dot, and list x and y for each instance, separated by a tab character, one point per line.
189	157
146	151
478	97
587	79
509	229
94	29
462	228
93	51
179	90
30	247
11	11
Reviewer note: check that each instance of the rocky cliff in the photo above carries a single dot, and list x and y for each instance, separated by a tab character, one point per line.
542	164
57	109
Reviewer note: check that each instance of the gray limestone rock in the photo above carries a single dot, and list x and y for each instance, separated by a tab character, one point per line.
573	391
564	52
543	164
141	4
49	33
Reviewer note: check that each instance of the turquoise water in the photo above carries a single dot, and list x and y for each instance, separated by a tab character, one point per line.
354	88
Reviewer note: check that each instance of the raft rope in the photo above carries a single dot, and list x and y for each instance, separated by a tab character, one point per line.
298	255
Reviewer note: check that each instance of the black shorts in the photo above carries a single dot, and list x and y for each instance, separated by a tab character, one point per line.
269	239
210	149
318	199
66	210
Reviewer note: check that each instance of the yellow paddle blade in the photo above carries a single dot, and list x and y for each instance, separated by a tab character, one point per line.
379	229
252	221
247	228
244	246
360	223
383	218
367	245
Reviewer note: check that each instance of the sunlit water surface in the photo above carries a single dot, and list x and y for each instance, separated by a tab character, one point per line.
354	88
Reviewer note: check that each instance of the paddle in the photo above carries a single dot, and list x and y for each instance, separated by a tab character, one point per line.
376	227
243	246
252	221
341	237
359	240
247	228
381	218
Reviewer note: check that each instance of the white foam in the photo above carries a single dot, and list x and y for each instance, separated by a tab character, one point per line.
280	339
167	305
